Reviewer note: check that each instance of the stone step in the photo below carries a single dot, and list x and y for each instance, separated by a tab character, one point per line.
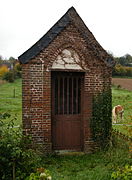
69	152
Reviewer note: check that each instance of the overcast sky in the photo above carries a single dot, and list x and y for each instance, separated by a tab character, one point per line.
23	22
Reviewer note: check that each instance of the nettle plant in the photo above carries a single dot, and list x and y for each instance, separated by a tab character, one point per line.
40	174
123	173
101	122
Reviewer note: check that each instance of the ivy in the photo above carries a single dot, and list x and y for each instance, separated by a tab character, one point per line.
101	118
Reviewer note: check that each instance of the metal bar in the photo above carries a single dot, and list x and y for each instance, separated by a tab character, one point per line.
63	96
72	96
76	95
67	95
58	95
79	95
55	84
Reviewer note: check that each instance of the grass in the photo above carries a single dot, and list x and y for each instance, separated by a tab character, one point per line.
127	77
124	98
10	103
98	166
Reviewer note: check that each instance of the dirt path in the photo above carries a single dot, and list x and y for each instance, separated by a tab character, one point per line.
123	82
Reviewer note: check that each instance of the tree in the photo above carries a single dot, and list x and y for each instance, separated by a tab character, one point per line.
125	60
1	58
12	61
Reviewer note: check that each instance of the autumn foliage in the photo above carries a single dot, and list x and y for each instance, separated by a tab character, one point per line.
120	70
3	70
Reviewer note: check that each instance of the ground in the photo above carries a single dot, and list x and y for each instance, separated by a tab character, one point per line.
124	83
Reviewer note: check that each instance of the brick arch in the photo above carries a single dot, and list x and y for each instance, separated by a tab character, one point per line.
70	37
59	50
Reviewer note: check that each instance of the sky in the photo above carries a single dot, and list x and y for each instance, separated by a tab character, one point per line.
24	22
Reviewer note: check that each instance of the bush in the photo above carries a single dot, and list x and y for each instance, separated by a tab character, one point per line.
9	76
17	74
123	173
40	174
120	70
3	70
18	67
17	159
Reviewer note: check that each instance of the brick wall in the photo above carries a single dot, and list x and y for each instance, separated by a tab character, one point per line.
36	86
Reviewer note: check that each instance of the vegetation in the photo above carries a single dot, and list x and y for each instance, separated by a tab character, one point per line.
3	70
11	100
8	76
10	69
98	166
22	162
123	97
123	66
17	160
125	60
122	71
101	121
41	173
123	173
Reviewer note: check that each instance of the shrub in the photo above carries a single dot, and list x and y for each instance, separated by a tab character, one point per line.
17	74
17	159
123	173
120	70
17	70
9	76
3	70
40	174
18	67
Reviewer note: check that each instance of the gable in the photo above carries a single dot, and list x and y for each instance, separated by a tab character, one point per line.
70	16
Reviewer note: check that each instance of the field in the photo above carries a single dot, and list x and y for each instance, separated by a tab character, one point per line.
98	166
124	83
11	100
123	97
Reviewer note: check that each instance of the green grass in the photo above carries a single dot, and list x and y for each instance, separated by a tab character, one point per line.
124	129
124	98
9	103
127	77
98	166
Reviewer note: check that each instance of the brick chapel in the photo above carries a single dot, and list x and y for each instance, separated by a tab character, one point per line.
61	73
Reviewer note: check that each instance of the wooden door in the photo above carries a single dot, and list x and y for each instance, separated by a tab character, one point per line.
67	110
